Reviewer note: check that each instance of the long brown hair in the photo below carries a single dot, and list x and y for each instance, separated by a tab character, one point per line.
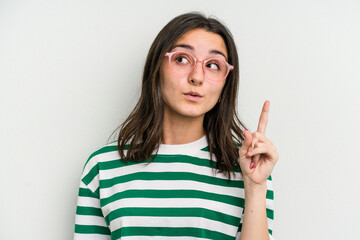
141	133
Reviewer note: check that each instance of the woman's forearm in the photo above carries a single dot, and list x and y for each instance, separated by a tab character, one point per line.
255	225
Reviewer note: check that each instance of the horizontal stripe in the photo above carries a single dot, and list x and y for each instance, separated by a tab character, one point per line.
174	212
165	166
91	229
236	201
88	202
176	185
270	213
160	159
269	194
172	185
78	236
174	222
112	149
161	238
107	183
90	220
108	160
88	211
166	231
224	208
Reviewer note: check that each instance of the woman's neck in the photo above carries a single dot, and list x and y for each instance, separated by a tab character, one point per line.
178	129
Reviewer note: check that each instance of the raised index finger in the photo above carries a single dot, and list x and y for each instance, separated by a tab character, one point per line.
264	118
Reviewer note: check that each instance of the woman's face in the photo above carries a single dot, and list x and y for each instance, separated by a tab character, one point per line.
192	95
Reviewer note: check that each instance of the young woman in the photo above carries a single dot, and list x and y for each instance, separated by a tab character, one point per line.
184	167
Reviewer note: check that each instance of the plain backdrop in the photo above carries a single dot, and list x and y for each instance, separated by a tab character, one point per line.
70	73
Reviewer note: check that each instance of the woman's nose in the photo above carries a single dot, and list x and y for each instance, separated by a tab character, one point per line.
196	77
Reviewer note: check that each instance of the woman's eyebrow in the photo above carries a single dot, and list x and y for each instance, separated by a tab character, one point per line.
184	46
192	48
218	52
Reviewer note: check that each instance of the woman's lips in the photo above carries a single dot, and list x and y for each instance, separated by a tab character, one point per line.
192	96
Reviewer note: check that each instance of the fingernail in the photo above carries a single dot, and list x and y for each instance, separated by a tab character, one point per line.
252	165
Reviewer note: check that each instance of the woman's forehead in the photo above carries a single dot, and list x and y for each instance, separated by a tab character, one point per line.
201	40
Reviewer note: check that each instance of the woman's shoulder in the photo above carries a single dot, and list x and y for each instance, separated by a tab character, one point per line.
108	151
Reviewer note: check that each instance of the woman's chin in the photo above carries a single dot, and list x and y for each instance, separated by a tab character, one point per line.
192	113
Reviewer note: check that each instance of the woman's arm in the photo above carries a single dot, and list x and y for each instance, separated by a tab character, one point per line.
258	157
255	220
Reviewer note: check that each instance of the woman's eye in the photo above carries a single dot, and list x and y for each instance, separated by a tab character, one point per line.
182	60
213	66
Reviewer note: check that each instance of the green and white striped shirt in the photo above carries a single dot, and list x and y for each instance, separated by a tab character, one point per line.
177	196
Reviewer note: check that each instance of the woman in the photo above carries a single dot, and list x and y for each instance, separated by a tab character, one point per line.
176	171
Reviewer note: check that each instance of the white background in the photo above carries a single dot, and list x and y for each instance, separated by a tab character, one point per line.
70	73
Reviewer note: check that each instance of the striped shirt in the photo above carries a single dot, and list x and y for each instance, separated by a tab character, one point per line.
177	196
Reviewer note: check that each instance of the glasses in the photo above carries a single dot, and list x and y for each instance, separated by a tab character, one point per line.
184	63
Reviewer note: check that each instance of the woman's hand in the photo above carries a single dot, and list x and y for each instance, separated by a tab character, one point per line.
258	155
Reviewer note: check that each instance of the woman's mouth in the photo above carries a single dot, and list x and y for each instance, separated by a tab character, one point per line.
193	96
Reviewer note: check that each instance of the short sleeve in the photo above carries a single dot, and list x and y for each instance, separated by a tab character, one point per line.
90	223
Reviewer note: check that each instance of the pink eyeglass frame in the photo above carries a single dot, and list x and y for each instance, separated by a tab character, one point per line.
229	67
